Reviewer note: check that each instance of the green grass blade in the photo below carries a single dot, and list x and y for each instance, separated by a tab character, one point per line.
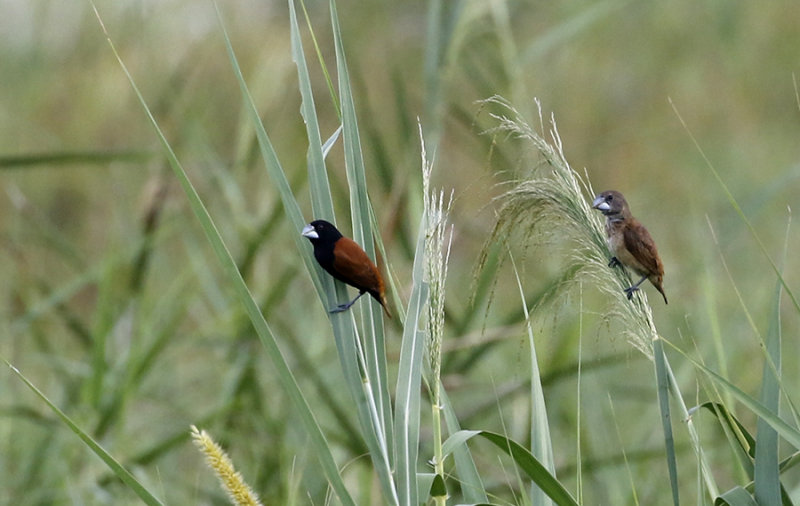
631	480
541	445
370	392
354	162
328	80
360	207
121	473
662	383
293	211
756	332
471	484
429	484
282	371
735	204
74	158
363	233
326	148
321	202
444	18
321	199
433	69
766	473
745	446
736	496
534	469
786	431
703	465
409	377
738	436
273	165
561	34
58	296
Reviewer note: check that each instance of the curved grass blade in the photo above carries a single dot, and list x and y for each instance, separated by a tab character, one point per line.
566	30
426	483
293	211
534	469
745	446
73	158
321	199
444	34
409	378
786	431
282	370
703	465
363	364
273	165
471	484
364	234
541	445
736	496
322	65
326	148
766	473
735	204
321	202
737	433
121	473
662	383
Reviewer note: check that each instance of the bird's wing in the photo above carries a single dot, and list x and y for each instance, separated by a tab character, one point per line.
641	246
355	267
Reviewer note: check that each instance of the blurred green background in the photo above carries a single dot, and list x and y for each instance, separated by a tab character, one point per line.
114	305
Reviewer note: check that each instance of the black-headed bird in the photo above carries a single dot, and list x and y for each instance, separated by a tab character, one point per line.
346	261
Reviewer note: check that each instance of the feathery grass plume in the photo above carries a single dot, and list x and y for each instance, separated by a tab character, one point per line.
437	255
555	196
233	483
438	238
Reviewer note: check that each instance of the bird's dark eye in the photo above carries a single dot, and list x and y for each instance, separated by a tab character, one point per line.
610	198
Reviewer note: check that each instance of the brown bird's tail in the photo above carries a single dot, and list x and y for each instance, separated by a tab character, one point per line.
658	287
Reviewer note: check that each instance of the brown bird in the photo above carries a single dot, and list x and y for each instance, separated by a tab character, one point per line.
630	242
344	259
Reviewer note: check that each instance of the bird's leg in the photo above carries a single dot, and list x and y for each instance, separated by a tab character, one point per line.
346	305
614	262
635	287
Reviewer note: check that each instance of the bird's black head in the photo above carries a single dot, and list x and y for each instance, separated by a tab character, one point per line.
610	203
321	232
323	236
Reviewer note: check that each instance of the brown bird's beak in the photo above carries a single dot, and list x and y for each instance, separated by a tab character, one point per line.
308	231
600	204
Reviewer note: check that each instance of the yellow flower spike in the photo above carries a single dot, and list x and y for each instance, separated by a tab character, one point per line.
233	483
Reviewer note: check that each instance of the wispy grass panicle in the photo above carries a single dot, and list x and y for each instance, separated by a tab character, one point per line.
438	239
233	483
558	197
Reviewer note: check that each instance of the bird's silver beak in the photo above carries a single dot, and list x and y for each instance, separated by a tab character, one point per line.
600	204
308	231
